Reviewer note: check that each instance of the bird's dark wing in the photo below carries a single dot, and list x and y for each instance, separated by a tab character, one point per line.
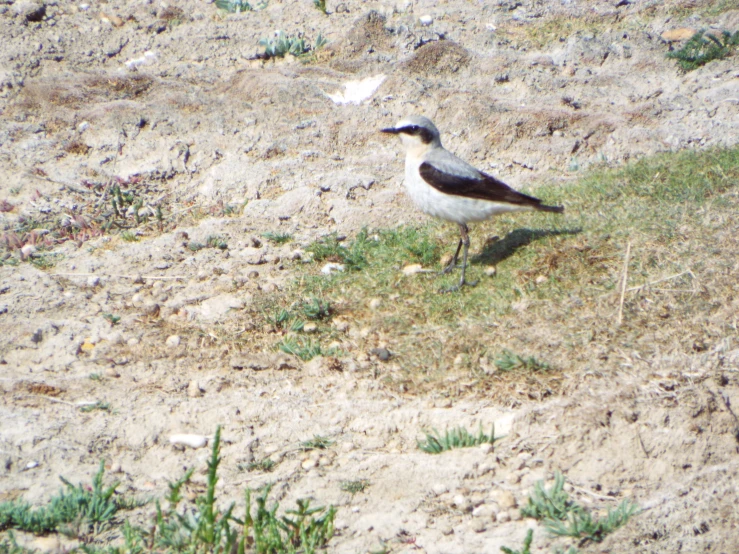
482	187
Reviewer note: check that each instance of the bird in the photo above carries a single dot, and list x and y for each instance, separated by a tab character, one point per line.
446	187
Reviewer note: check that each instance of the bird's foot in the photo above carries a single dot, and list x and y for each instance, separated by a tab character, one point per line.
448	269
458	287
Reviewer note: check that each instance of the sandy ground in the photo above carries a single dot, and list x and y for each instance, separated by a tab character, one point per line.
171	104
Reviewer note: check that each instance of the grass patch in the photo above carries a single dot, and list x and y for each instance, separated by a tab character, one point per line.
704	47
458	437
265	465
318	442
278	238
240	6
77	511
564	517
84	511
509	361
305	349
355	487
102	406
130	236
282	45
320	6
112	318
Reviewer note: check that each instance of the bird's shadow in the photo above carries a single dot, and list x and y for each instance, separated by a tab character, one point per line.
495	252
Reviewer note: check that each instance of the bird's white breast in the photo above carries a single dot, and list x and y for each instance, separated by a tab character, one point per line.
448	206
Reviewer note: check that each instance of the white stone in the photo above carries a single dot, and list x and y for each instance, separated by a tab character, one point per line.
412	269
439	489
193	441
332	267
173	341
426	20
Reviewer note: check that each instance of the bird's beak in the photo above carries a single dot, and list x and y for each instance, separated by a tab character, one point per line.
391	130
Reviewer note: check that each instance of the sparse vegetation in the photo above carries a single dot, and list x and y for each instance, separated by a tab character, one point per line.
278	238
526	545
305	349
239	6
703	47
102	406
355	487
265	464
282	45
129	236
316	309
84	511
112	318
509	361
320	5
564	517
77	511
318	442
458	437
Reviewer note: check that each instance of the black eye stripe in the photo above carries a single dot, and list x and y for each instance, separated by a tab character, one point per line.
424	134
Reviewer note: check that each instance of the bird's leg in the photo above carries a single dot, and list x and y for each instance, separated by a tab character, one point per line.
464	241
451	265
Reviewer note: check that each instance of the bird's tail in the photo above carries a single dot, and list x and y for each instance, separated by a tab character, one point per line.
555	209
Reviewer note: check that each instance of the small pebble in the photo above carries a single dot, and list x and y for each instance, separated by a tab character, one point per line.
93	281
193	441
383	354
490	271
515	514
115	467
132	341
310	327
111	372
332	267
426	20
541	279
375	303
193	390
309	464
488	511
503	517
446	529
486	448
340	325
173	341
477	525
439	489
505	499
31	465
412	269
27	251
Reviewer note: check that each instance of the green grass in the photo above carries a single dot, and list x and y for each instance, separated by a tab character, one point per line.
320	6
130	236
564	517
305	349
76	511
704	47
458	437
281	45
509	361
265	465
102	406
355	487
239	6
277	238
201	526
526	545
318	442
112	319
316	309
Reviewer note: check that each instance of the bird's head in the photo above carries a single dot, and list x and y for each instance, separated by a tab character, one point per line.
415	132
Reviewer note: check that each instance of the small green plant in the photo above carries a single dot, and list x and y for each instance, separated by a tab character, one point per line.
216	241
552	503
320	5
104	406
564	517
282	45
306	530
509	361
526	545
278	238
316	309
704	47
305	349
76	511
239	6
286	321
458	437
129	236
318	442
195	246
112	319
266	465
41	261
95	376
354	487
580	524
